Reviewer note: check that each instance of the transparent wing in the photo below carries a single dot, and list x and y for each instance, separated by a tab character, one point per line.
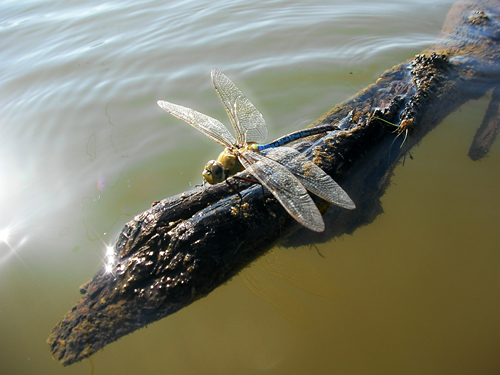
286	189
248	123
310	175
209	126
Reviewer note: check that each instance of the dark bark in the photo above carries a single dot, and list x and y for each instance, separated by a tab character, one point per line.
185	246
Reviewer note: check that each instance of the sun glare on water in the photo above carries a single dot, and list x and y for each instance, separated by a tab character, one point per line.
4	236
110	259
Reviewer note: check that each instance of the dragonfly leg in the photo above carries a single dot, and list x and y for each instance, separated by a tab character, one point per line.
246	179
250	180
235	190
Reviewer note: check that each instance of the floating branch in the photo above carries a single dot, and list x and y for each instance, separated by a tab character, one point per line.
185	246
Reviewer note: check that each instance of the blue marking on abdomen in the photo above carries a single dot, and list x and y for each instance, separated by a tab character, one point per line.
297	135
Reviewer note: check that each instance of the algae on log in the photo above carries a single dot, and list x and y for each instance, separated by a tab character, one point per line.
185	246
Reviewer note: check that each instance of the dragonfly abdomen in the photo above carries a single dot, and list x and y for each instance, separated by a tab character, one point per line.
297	135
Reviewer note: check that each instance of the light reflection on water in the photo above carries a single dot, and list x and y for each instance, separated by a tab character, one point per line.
84	147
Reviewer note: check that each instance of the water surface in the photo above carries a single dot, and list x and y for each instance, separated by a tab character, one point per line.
84	148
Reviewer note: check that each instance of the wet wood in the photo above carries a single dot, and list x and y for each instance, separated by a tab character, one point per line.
185	246
488	131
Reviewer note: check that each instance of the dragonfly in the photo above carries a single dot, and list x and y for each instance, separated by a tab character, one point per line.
284	171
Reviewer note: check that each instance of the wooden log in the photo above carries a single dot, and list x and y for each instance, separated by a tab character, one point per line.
185	246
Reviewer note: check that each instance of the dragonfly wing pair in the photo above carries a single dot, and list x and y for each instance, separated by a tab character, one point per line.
287	174
248	123
286	188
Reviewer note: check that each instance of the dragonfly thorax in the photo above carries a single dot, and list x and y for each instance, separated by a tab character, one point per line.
226	165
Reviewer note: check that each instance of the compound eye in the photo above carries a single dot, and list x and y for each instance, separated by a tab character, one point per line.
214	172
218	172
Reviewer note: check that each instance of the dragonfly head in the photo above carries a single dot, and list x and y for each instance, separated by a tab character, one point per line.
214	172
